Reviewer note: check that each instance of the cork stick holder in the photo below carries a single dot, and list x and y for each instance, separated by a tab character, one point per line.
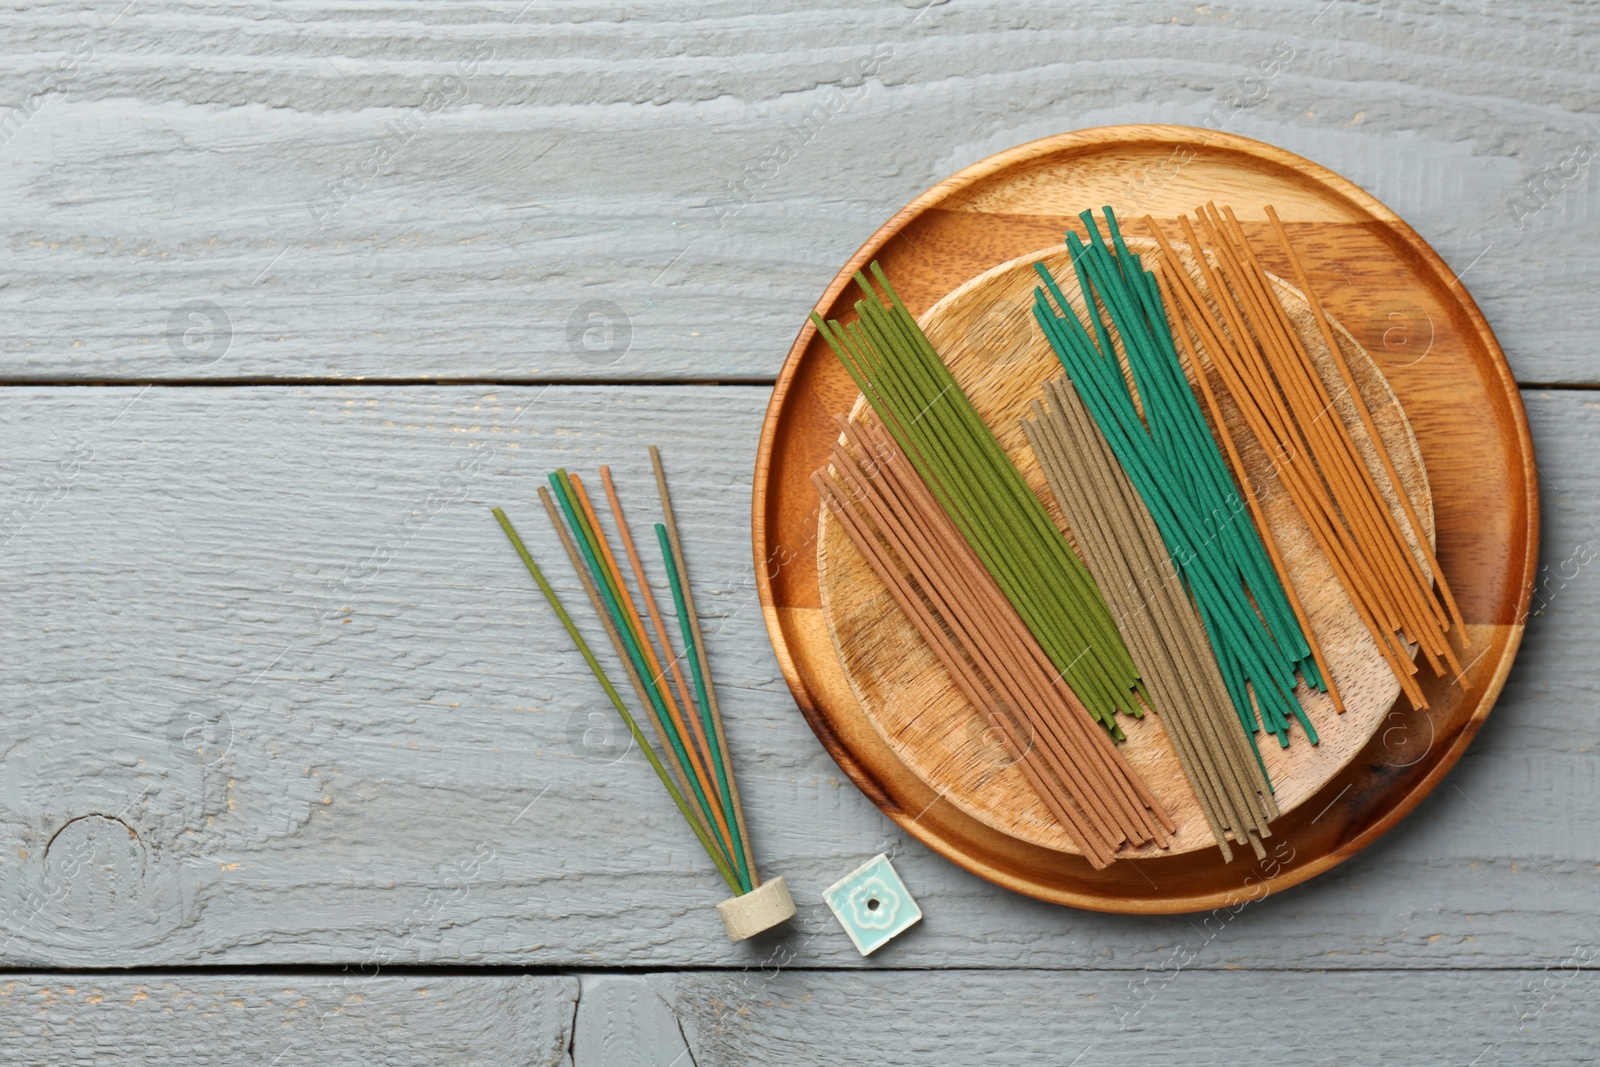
764	907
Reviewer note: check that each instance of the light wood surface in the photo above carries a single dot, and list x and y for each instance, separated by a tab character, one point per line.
358	1017
595	157
1361	259
985	332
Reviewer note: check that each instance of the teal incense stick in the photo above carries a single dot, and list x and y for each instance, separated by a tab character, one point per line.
691	649
587	543
616	701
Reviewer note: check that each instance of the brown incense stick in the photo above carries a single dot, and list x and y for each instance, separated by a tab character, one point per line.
1269	427
940	584
997	640
654	664
622	654
1248	491
1242	326
929	530
671	523
1366	421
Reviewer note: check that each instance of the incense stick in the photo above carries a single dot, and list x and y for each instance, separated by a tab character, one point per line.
648	594
631	655
641	640
932	421
670	520
1123	550
954	602
1365	414
615	636
616	701
1378	557
691	733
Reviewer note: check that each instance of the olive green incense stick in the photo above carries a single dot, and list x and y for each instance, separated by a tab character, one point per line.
691	739
611	692
617	644
588	545
923	407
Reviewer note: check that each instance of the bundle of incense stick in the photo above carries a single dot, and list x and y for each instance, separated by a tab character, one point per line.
1155	427
1234	317
687	725
955	604
934	423
1120	543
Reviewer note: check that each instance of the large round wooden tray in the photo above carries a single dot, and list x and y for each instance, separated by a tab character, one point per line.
1398	300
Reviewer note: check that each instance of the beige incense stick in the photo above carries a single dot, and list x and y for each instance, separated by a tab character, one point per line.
658	679
1121	545
670	520
622	654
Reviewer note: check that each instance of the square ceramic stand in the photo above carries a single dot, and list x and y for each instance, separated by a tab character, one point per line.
873	905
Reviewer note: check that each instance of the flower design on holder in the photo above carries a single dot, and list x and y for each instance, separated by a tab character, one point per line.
874	904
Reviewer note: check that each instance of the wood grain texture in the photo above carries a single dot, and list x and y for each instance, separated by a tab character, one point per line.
1033	1019
625	1023
425	783
183	692
438	189
285	1019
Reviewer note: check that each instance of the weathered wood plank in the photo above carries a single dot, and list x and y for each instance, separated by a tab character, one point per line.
1091	1019
625	1023
278	692
284	1019
502	190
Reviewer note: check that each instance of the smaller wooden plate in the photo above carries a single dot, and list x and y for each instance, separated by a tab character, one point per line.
985	333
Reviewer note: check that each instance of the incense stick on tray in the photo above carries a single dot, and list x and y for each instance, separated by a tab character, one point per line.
955	604
1123	549
1239	325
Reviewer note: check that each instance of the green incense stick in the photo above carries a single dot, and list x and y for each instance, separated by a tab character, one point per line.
675	580
622	709
589	547
921	404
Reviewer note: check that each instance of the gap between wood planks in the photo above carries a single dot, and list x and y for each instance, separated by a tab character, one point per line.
504	970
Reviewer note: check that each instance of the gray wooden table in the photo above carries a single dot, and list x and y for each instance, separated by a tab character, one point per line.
295	768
